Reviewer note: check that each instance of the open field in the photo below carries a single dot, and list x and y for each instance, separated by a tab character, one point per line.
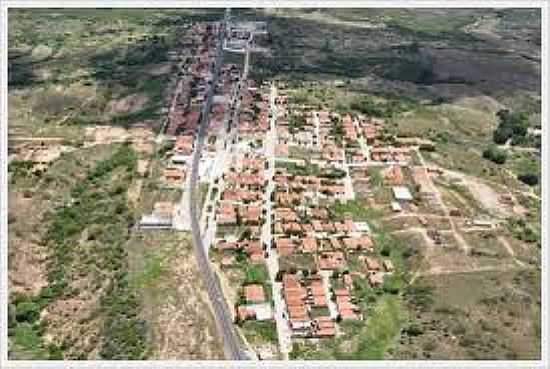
489	315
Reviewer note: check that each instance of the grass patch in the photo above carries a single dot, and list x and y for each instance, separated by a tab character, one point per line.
256	274
358	209
260	331
150	273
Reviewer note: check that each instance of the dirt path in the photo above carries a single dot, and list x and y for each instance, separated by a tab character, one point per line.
439	198
476	270
507	246
510	250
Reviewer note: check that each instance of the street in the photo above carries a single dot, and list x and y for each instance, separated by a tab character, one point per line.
224	321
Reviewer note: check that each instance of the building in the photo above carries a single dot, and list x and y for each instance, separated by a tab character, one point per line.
402	193
254	293
160	218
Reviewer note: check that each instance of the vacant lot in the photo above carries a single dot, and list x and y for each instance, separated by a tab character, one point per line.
489	315
175	305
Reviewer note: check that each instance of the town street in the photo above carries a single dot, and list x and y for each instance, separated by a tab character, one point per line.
283	330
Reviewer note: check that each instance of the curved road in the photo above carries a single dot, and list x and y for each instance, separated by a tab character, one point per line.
224	322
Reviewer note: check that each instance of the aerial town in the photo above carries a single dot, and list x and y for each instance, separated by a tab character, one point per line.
308	226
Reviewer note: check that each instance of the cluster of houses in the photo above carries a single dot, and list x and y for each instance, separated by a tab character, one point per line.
301	220
196	78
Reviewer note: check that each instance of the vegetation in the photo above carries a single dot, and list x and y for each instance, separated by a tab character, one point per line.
522	231
97	209
256	273
530	179
260	331
356	208
512	125
495	154
300	170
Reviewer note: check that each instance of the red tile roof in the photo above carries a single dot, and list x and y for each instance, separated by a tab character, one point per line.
254	293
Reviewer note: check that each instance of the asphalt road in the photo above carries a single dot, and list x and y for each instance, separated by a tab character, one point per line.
224	322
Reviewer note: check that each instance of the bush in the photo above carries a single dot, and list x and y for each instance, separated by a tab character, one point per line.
414	330
27	311
530	179
256	274
421	295
495	154
392	284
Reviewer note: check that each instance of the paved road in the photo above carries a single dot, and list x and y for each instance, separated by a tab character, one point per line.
224	321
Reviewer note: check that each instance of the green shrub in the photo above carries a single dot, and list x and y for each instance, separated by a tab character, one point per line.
495	154
392	284
27	311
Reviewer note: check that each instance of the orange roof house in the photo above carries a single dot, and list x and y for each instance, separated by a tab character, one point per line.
323	327
317	291
331	260
284	246
254	293
309	245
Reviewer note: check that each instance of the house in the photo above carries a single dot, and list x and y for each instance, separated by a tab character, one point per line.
254	293
179	159
281	150
251	214
244	313
331	260
227	261
161	216
358	243
372	264
402	193
227	214
323	327
184	145
255	250
173	175
316	291
396	207
308	245
284	246
393	175
295	295
346	309
375	279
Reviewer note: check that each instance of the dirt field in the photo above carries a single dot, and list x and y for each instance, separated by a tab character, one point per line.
175	304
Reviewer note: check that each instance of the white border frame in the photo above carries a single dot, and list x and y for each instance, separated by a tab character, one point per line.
6	4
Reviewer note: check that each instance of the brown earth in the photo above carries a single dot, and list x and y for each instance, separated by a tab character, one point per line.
127	105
